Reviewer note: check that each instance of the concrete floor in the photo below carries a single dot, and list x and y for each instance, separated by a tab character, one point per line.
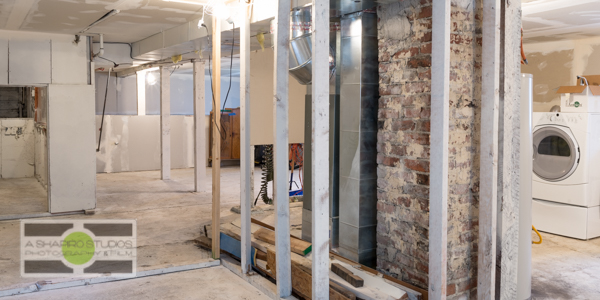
210	283
169	214
22	196
565	268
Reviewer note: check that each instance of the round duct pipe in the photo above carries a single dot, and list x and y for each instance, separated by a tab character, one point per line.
301	46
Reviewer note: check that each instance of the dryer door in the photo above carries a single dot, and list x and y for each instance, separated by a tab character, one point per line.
555	152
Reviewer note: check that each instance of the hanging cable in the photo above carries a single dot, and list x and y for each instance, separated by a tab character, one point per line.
230	66
103	110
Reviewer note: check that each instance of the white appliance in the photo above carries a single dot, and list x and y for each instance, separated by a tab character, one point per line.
566	173
524	260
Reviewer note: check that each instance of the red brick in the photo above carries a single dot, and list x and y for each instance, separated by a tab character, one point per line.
404	125
418	138
417	165
423	179
390	161
450	289
405	201
426	12
419	62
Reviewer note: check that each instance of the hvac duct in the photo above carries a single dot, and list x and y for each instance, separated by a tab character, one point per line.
301	46
359	96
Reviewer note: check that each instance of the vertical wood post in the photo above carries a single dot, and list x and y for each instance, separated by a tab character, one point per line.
165	124
216	146
320	149
199	126
252	159
509	154
438	188
280	149
246	162
488	187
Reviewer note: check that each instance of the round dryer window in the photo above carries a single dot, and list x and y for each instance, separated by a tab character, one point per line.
555	152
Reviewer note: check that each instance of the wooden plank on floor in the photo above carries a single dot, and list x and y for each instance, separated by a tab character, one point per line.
297	246
347	275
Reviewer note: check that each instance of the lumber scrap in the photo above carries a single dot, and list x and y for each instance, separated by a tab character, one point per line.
302	280
297	246
347	275
419	293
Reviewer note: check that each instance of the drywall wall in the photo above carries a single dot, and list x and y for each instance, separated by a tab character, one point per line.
121	96
71	157
36	58
261	101
132	143
554	64
41	155
17	148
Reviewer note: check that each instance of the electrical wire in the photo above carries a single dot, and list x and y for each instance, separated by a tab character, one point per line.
230	66
212	92
114	63
103	109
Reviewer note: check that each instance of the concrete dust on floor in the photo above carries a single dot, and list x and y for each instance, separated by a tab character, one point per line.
169	214
208	283
565	268
22	196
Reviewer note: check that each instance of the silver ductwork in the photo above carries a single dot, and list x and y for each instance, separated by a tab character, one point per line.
359	102
301	46
354	96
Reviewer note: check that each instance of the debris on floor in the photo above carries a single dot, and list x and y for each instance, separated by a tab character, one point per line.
348	279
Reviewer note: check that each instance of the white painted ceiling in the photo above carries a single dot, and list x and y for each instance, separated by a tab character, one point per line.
543	20
553	20
137	19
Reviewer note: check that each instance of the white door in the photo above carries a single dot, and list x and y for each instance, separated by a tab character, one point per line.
555	152
71	148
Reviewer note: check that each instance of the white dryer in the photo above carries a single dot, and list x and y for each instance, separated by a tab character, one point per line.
566	173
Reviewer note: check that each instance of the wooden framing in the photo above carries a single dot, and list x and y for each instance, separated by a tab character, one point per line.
509	154
165	124
320	149
216	146
280	148
246	159
199	126
438	187
488	188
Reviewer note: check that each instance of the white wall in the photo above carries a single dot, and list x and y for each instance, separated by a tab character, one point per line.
261	101
554	64
17	141
71	151
41	156
53	60
121	97
42	58
132	143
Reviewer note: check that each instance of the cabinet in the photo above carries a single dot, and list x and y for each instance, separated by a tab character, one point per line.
230	134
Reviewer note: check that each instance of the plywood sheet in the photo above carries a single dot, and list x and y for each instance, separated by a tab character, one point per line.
17	145
71	148
29	61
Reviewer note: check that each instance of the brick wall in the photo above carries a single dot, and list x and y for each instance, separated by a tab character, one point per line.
404	31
